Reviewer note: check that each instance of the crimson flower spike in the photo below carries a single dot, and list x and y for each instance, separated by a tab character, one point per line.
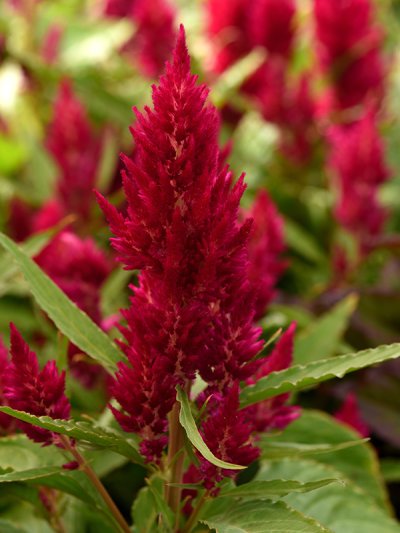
38	392
194	307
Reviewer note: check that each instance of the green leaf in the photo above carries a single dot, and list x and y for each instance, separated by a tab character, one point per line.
31	246
187	421
69	319
273	488
260	517
357	464
322	337
17	452
337	507
83	431
303	376
278	450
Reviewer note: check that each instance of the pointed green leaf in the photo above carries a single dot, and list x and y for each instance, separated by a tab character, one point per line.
303	376
70	320
261	517
121	443
274	488
187	421
275	449
322	337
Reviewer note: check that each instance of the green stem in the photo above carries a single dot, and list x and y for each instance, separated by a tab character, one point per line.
195	513
175	459
91	474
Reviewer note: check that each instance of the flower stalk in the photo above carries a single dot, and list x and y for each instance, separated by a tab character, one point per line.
91	474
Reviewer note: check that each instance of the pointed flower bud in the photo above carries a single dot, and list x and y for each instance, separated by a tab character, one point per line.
38	392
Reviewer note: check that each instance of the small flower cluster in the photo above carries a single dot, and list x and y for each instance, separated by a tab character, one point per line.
39	392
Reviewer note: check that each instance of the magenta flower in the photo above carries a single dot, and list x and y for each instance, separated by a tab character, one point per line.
38	392
357	161
153	41
237	27
349	414
7	423
68	132
266	245
227	433
193	309
349	49
274	413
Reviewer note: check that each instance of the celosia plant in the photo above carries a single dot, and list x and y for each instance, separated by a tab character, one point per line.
199	392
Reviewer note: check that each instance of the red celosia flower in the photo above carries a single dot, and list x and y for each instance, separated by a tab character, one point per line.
119	8
70	131
227	432
357	160
6	422
51	44
266	245
274	413
349	48
193	308
298	121
38	392
155	35
350	415
238	26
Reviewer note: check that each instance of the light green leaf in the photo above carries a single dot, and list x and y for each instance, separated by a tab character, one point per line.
69	319
321	338
262	517
303	376
357	464
187	421
83	431
274	449
273	489
337	507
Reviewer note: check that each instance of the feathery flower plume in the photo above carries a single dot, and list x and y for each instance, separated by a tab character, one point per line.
38	392
7	423
266	245
193	309
357	161
349	49
68	132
